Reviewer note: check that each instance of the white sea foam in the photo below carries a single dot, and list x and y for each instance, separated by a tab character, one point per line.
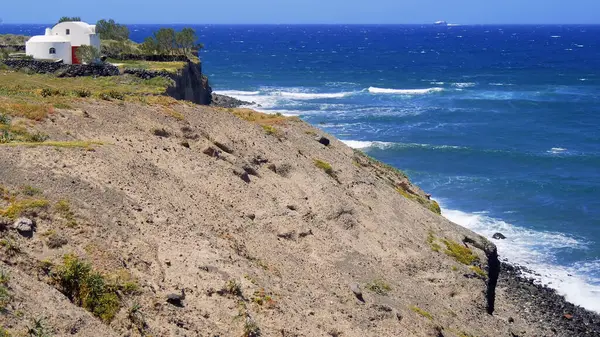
535	250
361	144
555	36
464	85
557	150
232	93
375	90
310	95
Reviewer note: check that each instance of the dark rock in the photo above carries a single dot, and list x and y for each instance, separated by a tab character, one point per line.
305	234
323	140
250	170
4	224
223	101
24	226
498	236
212	152
223	145
148	74
242	174
176	299
292	207
287	235
259	160
355	287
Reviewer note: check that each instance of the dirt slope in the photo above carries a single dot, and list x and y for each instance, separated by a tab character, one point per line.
257	232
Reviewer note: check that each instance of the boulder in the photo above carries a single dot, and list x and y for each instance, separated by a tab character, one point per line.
323	140
176	299
24	226
355	287
499	236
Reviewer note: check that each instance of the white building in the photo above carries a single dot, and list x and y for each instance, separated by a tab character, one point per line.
62	41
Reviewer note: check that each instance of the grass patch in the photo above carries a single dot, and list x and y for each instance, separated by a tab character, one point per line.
325	166
260	118
421	312
36	112
63	207
88	288
88	145
170	67
11	246
431	205
379	287
30	191
17	207
4	293
261	298
459	252
478	271
232	287
431	241
269	129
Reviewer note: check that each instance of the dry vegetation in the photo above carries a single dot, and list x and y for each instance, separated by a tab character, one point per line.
171	67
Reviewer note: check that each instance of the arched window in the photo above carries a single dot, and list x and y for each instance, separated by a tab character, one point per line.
52	51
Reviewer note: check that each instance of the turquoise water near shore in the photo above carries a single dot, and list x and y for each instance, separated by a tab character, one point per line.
500	123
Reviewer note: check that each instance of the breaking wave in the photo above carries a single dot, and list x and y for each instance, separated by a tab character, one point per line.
375	90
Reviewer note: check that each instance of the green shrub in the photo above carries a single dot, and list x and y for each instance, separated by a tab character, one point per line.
421	312
233	287
4	119
4	332
38	329
379	287
459	252
478	271
325	166
37	137
88	54
82	93
87	288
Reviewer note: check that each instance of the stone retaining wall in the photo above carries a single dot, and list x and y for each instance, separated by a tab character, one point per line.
63	70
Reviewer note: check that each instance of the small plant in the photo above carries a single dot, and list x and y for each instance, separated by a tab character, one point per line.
4	119
136	316
38	329
459	252
325	166
47	92
4	332
11	246
421	312
261	298
37	137
379	287
63	207
116	95
234	288
18	207
83	93
269	129
88	288
478	271
30	191
4	297
4	277
251	329
431	241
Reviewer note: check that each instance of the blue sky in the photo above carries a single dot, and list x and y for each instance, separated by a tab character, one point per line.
307	11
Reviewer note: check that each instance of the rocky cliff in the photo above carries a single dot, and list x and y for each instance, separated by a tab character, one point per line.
191	85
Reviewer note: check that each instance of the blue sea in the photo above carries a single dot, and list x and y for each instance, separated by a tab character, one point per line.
501	124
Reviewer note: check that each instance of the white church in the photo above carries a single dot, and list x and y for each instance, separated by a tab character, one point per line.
62	41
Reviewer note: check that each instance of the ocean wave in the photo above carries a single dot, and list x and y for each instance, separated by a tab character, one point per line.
310	95
464	85
361	144
375	90
557	150
536	250
237	93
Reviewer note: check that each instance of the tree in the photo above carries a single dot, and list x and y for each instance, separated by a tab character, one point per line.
110	30
149	46
186	41
69	19
165	40
88	54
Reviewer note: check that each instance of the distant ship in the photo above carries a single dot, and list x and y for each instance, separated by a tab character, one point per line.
441	23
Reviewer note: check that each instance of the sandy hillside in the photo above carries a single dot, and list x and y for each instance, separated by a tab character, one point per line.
264	228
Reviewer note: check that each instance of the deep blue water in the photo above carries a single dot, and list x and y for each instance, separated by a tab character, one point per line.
499	123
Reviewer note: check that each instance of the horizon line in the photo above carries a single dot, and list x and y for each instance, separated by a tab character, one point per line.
334	24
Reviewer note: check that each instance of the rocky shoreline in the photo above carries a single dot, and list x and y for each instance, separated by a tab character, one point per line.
546	306
228	102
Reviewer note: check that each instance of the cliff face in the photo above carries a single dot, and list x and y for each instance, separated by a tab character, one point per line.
262	226
191	85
